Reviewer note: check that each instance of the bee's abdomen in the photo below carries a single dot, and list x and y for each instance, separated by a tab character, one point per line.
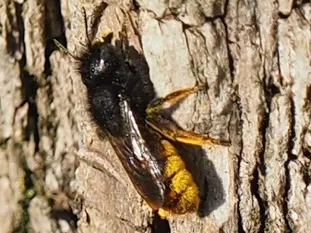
183	193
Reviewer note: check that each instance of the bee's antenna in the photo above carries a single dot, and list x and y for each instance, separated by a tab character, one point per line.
64	50
86	27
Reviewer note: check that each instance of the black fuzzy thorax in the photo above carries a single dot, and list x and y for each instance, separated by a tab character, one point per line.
104	88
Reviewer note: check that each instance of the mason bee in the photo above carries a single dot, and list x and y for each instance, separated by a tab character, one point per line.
139	132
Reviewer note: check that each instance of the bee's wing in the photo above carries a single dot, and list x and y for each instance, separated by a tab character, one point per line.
143	168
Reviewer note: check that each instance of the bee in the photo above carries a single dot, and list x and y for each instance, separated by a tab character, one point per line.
139	132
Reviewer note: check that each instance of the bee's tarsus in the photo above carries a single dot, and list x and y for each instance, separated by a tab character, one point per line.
220	142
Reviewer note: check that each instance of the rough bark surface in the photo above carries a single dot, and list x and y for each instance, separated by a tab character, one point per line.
56	175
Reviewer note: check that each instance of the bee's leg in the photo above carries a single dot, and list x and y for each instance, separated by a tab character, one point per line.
171	130
124	44
157	104
106	37
124	40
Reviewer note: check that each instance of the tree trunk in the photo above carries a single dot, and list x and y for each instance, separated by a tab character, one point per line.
56	175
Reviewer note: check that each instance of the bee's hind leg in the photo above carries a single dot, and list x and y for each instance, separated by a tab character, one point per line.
170	129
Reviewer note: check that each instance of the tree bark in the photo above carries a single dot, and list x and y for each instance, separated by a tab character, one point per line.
56	175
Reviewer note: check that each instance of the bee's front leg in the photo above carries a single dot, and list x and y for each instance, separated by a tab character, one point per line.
158	104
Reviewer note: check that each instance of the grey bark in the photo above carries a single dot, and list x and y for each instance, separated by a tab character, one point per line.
56	175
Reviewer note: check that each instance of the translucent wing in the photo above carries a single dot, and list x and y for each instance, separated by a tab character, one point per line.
144	168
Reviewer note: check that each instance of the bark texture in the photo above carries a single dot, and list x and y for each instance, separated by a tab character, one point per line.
56	175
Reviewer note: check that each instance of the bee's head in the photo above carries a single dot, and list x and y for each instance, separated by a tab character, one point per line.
99	64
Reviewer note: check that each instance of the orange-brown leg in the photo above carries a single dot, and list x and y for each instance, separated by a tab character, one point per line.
171	130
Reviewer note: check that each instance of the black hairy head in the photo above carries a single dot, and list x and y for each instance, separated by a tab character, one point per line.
99	65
